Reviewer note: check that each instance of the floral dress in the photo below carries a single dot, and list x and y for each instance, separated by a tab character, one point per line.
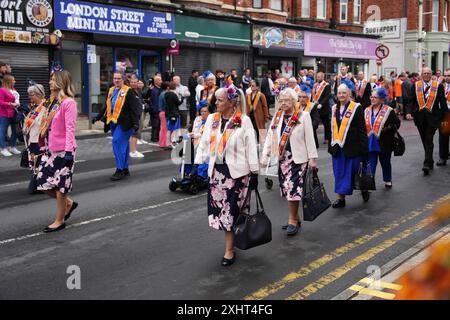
53	174
291	174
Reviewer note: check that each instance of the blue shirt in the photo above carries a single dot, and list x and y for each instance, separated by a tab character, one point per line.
114	98
374	146
162	102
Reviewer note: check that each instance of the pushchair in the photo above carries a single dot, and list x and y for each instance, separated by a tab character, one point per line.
192	183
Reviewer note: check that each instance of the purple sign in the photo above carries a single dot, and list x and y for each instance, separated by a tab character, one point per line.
327	45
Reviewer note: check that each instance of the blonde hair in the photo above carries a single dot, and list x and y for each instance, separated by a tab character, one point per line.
63	81
290	92
8	81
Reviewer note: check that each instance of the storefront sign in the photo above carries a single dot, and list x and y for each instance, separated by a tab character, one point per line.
280	38
27	22
91	54
388	29
330	45
97	18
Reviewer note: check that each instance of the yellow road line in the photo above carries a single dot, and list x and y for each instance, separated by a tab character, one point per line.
373	293
316	264
382	284
341	271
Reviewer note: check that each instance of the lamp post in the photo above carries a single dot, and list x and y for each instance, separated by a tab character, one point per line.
420	36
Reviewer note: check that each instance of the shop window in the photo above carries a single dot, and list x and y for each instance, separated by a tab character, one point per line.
306	8
357	11
101	76
276	5
343	10
127	62
321	9
257	4
435	20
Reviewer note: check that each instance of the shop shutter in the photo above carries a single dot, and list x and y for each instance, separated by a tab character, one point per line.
27	63
206	59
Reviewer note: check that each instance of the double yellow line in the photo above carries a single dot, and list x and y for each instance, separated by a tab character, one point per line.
312	288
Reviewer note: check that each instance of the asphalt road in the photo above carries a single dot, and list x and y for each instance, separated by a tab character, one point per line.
134	239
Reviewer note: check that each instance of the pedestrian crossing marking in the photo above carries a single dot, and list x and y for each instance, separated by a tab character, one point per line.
382	284
373	293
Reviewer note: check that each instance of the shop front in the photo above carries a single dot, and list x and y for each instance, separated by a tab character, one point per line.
101	39
331	51
208	44
277	48
27	39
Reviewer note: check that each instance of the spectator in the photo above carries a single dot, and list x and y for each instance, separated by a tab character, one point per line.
173	103
398	92
183	94
199	88
220	78
192	84
267	88
3	71
154	108
246	79
163	137
134	84
8	105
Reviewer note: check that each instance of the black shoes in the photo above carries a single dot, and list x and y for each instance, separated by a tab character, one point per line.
118	175
48	229
388	185
292	230
426	171
228	262
365	195
126	172
72	209
339	203
441	162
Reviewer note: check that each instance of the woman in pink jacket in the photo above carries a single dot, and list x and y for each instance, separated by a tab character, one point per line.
57	164
8	105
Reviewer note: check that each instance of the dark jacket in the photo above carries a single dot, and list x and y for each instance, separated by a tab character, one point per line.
315	117
324	100
192	84
365	99
265	89
212	104
154	99
140	99
434	117
357	142
386	139
129	116
172	103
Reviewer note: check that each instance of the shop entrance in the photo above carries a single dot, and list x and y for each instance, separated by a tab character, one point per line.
73	62
150	64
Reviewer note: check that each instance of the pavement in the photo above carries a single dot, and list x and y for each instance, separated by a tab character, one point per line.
134	239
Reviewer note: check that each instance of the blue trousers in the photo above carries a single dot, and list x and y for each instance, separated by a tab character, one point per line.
385	161
121	145
344	170
4	124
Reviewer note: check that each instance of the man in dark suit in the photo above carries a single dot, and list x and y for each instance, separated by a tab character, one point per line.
428	107
321	97
266	88
363	91
443	137
192	84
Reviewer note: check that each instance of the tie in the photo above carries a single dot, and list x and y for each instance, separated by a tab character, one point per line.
427	88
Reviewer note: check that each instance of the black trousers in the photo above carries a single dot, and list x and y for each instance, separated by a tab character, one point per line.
443	146
192	111
427	132
326	126
154	122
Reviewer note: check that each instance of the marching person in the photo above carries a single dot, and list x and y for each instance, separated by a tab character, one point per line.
173	116
311	108
444	138
291	140
428	107
229	141
342	78
381	124
134	85
257	110
58	128
292	83
209	89
349	145
363	91
196	133
122	113
321	97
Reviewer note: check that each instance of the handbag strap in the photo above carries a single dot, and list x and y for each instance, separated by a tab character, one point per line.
259	203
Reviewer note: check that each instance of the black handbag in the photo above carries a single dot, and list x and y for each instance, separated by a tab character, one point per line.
32	185
252	230
364	179
24	162
399	145
315	199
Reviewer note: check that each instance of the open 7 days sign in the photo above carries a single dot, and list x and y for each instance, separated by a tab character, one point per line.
98	18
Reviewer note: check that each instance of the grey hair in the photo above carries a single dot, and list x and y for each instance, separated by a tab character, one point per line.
37	89
211	76
200	80
290	92
344	87
239	100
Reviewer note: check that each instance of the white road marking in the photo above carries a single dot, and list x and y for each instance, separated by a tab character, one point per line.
83	223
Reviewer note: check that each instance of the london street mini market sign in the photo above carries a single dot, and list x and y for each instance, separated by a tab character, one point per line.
97	18
27	22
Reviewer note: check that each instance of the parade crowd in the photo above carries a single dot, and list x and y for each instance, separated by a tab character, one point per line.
237	128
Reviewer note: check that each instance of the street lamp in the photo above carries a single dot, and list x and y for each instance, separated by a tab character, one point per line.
420	36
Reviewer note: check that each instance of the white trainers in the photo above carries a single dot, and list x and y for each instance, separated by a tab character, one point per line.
14	150
139	141
5	153
136	154
143	141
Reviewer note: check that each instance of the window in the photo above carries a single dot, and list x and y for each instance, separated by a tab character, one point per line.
306	8
321	9
445	29
435	23
344	10
257	3
357	11
276	5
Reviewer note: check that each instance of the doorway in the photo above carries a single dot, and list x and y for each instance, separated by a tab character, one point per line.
73	62
150	64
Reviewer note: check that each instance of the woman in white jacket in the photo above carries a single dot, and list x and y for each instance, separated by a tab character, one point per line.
290	141
230	142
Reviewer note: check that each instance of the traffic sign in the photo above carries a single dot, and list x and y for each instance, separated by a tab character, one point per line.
379	62
173	43
174	48
382	52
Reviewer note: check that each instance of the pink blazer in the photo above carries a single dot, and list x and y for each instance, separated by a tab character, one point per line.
61	135
5	98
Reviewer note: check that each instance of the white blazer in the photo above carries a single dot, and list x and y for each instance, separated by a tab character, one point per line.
302	140
240	154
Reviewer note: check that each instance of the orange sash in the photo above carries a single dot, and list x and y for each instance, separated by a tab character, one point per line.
379	121
237	118
339	135
360	91
447	92
288	129
198	127
31	117
206	95
308	107
255	102
318	90
421	97
119	104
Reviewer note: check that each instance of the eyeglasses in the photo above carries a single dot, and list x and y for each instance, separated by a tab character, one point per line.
373	97
285	100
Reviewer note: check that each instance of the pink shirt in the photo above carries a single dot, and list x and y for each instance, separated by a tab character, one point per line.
5	98
61	135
